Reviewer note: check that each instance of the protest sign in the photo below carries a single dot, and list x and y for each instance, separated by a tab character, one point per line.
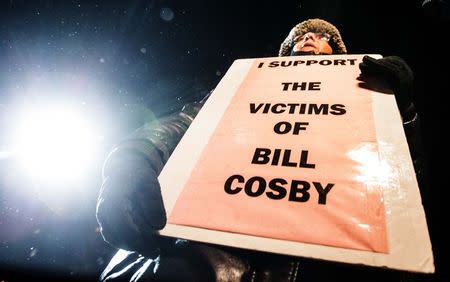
292	155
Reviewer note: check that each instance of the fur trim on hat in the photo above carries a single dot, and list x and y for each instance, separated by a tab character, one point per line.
313	25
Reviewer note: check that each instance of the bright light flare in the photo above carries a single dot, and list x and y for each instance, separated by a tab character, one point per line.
371	170
55	143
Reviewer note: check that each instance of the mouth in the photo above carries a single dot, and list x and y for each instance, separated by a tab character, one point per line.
307	44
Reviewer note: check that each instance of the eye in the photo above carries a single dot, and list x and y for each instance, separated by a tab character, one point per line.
325	37
299	38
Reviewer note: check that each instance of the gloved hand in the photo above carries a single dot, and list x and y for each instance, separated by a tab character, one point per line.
395	72
130	207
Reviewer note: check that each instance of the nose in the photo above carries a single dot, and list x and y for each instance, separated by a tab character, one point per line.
309	35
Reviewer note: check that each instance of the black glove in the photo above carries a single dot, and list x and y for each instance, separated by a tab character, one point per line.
395	72
130	207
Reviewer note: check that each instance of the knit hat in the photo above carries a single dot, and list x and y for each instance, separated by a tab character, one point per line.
313	25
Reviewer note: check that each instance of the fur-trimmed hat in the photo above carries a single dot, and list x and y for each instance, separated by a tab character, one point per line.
313	25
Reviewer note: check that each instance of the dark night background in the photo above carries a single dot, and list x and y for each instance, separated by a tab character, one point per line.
125	62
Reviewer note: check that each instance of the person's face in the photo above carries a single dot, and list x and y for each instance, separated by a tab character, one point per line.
313	42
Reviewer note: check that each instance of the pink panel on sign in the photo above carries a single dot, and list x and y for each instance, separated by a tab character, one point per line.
296	165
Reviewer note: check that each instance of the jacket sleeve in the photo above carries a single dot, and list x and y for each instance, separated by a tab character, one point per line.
130	206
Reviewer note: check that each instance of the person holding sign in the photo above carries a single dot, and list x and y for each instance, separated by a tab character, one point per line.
130	208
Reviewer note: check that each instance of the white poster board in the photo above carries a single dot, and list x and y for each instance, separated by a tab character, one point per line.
408	245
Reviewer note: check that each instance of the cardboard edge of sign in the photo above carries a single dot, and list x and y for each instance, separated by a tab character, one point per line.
407	231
